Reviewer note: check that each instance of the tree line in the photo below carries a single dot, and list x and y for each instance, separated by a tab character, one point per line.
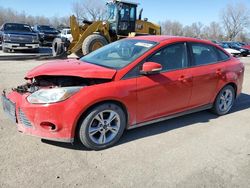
234	21
10	15
234	25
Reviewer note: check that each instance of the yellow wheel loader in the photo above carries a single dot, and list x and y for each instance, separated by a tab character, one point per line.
121	22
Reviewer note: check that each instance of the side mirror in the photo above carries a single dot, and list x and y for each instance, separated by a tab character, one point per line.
150	68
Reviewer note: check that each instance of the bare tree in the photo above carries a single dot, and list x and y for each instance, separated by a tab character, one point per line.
194	30
172	28
89	9
213	31
235	19
197	29
9	15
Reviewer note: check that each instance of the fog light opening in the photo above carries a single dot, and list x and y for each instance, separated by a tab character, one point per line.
48	126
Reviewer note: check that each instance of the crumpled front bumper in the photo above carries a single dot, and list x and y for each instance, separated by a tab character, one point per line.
32	118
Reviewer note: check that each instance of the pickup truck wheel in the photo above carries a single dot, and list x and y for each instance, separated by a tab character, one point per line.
102	127
92	43
57	47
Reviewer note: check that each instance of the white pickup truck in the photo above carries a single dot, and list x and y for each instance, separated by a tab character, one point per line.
66	33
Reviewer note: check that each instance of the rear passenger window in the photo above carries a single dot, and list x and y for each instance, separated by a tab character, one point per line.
222	55
171	57
203	54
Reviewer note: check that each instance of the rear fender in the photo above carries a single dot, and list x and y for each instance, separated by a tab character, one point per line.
230	77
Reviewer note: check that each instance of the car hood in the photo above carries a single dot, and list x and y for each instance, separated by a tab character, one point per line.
71	68
230	50
20	33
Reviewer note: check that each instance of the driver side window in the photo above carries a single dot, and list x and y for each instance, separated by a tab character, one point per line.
172	57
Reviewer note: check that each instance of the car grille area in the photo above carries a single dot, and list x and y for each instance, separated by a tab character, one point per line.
21	38
23	118
9	108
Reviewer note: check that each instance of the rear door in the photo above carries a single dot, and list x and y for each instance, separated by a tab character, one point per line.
206	70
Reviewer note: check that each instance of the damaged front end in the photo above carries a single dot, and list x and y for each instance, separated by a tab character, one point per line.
49	82
39	107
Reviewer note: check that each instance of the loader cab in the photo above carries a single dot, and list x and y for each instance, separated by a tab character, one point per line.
121	17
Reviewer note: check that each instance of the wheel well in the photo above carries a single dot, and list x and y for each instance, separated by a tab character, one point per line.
234	86
97	104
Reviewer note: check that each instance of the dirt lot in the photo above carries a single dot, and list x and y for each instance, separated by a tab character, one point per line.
198	150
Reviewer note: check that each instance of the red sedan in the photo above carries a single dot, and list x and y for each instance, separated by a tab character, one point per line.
126	84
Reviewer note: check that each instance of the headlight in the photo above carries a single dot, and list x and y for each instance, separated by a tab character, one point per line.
35	39
6	37
46	96
41	35
242	50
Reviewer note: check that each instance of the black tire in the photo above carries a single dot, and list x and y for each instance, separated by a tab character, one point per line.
90	121
90	42
219	101
57	47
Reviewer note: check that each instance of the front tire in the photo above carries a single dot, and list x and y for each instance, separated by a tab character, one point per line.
224	101
102	127
92	43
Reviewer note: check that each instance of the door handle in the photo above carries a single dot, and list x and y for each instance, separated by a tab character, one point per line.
219	72
184	79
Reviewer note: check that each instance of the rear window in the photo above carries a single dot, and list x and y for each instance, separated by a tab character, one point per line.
222	55
206	54
46	27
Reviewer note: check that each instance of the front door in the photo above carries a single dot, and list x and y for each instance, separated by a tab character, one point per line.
167	92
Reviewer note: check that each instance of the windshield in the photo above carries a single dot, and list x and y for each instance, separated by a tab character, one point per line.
235	45
111	12
46	27
118	54
224	45
17	27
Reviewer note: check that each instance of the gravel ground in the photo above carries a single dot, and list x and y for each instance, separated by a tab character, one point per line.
197	150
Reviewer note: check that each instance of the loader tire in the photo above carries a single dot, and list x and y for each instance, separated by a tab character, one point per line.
57	47
93	42
79	53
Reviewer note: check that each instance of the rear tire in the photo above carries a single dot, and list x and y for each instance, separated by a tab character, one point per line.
93	42
224	101
102	127
57	47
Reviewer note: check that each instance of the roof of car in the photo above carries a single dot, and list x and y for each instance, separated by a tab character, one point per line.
13	23
161	38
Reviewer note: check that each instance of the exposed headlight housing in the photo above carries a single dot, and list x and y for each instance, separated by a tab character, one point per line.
6	37
47	96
